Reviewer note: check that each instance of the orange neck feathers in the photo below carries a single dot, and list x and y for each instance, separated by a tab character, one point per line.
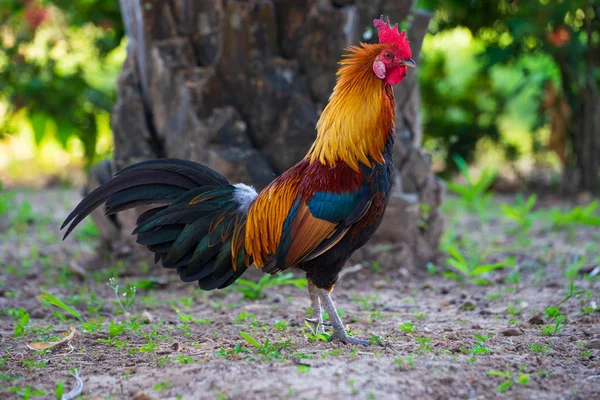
360	115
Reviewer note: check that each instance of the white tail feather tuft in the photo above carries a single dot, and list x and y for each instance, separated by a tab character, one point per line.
244	195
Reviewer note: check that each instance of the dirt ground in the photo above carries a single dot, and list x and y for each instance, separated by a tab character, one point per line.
178	342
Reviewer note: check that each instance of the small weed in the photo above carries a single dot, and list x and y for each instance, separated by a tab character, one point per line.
149	347
21	317
162	386
589	309
48	297
266	350
190	319
312	335
473	192
281	325
424	344
479	346
5	200
33	364
376	339
231	353
586	353
431	269
243	316
404	363
552	312
574	292
185	359
163	361
128	296
419	315
304	368
332	353
579	215
520	213
510	379
254	290
407	327
92	326
59	390
27	392
471	269
559	324
539	348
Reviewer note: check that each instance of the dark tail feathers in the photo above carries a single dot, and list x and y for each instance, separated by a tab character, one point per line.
198	229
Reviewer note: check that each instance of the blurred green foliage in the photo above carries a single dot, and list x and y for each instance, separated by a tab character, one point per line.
483	74
542	41
55	68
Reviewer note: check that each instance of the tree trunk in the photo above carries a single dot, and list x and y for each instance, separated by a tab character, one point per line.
586	138
239	85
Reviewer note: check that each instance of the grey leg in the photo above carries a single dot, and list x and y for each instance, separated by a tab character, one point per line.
339	332
315	304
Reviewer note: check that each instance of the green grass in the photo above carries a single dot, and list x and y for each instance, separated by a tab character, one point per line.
254	290
577	216
510	379
55	301
474	191
265	350
471	267
520	213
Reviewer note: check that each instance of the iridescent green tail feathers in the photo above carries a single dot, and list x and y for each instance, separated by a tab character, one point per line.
197	227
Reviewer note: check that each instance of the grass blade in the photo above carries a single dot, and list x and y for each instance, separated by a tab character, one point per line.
55	301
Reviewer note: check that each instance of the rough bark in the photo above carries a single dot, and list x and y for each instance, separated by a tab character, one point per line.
586	139
239	85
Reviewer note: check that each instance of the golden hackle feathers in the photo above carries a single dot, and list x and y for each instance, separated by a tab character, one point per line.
356	122
352	129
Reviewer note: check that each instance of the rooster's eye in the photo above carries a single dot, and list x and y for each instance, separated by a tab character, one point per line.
388	55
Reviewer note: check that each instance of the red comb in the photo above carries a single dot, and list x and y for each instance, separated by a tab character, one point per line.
389	34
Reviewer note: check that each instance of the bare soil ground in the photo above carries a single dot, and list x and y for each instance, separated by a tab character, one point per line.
179	342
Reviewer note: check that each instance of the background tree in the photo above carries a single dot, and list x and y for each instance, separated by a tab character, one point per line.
568	31
239	85
49	73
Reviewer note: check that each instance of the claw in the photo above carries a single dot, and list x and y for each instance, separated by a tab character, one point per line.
348	340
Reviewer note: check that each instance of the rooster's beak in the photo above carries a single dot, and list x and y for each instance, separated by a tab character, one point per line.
409	63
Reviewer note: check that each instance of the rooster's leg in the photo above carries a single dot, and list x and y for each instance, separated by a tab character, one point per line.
317	312
339	332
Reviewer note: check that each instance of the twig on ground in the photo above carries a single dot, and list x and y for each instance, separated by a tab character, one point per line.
76	391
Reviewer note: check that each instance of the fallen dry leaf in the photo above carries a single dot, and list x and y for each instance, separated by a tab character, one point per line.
49	345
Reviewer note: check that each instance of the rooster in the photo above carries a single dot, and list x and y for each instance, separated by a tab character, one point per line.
313	216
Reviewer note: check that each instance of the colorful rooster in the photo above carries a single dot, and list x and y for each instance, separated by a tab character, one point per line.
312	217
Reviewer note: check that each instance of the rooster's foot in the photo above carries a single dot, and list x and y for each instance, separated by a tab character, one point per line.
344	338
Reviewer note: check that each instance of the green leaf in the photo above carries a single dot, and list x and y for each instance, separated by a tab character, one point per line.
460	267
504	386
64	130
251	340
482	269
496	372
50	298
456	254
38	122
451	275
115	330
59	390
523	379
